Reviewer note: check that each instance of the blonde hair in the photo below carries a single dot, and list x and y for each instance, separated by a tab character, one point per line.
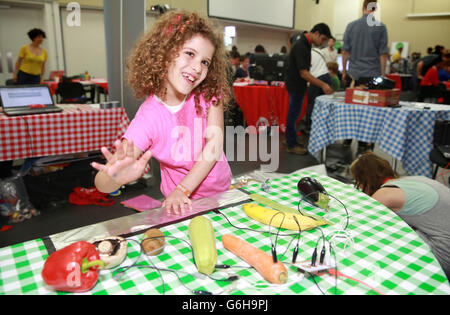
155	51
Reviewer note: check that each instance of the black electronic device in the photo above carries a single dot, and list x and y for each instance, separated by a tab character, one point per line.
18	100
381	83
267	68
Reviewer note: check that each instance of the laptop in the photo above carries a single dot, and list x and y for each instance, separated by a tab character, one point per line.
18	100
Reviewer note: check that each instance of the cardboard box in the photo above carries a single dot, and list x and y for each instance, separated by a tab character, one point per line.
372	97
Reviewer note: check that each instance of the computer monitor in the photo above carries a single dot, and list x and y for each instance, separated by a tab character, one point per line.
268	68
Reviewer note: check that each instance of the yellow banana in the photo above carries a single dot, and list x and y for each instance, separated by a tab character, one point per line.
287	221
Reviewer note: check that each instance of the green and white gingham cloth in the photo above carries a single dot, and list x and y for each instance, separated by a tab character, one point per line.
384	252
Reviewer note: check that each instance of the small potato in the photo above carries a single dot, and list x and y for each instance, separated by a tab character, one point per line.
153	242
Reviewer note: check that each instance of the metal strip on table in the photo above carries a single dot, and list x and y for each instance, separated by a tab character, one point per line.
138	223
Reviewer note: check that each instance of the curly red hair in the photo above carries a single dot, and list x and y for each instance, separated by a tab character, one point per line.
148	63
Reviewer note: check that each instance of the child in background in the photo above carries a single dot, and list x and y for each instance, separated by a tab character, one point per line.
333	68
242	71
181	67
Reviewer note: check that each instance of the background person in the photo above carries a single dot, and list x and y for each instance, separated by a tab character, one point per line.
30	65
320	71
298	75
365	46
333	69
329	52
421	202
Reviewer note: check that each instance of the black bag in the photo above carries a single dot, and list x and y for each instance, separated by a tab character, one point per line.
441	133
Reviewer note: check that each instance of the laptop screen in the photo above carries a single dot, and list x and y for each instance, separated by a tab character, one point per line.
24	95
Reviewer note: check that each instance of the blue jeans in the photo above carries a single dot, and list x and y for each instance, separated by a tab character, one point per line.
313	92
295	107
26	78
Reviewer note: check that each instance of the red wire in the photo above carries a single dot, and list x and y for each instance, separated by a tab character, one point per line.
334	272
441	174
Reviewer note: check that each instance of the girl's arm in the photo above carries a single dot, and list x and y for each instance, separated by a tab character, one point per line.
210	154
122	167
393	198
42	72
16	68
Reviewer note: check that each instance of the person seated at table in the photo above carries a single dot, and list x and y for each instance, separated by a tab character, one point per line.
180	67
234	59
242	71
333	69
430	90
444	73
421	202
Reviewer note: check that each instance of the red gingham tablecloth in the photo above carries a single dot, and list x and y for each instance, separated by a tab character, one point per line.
78	128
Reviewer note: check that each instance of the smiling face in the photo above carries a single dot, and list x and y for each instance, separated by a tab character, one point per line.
188	69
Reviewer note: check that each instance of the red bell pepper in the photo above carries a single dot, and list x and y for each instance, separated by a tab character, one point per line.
73	268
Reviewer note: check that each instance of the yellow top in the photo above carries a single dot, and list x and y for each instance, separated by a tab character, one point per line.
31	63
397	56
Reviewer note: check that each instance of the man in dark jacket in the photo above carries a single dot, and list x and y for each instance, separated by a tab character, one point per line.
297	77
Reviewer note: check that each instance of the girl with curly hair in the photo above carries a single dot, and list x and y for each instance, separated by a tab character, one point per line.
180	66
421	202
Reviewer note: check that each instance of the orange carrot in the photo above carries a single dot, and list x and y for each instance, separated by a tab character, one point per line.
257	258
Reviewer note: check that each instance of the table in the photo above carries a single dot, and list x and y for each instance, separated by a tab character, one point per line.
405	133
265	105
387	254
78	128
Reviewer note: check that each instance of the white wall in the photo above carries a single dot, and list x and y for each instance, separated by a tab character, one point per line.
15	22
345	11
248	36
84	45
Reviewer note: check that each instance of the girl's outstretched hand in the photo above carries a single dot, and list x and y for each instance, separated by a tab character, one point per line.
177	203
123	167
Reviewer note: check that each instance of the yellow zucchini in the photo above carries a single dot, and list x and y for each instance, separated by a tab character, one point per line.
203	241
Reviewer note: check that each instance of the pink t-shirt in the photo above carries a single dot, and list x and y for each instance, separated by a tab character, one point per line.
175	141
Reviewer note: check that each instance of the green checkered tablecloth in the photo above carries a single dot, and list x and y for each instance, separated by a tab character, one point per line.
385	253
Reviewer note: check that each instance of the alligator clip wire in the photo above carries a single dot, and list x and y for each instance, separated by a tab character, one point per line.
274	244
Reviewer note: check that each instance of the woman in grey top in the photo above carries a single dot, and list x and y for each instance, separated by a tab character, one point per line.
421	202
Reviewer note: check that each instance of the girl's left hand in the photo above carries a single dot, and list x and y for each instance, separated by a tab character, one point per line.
177	202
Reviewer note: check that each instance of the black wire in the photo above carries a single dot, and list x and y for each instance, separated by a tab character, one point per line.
249	229
304	198
336	276
313	276
134	264
345	208
122	270
30	139
274	245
